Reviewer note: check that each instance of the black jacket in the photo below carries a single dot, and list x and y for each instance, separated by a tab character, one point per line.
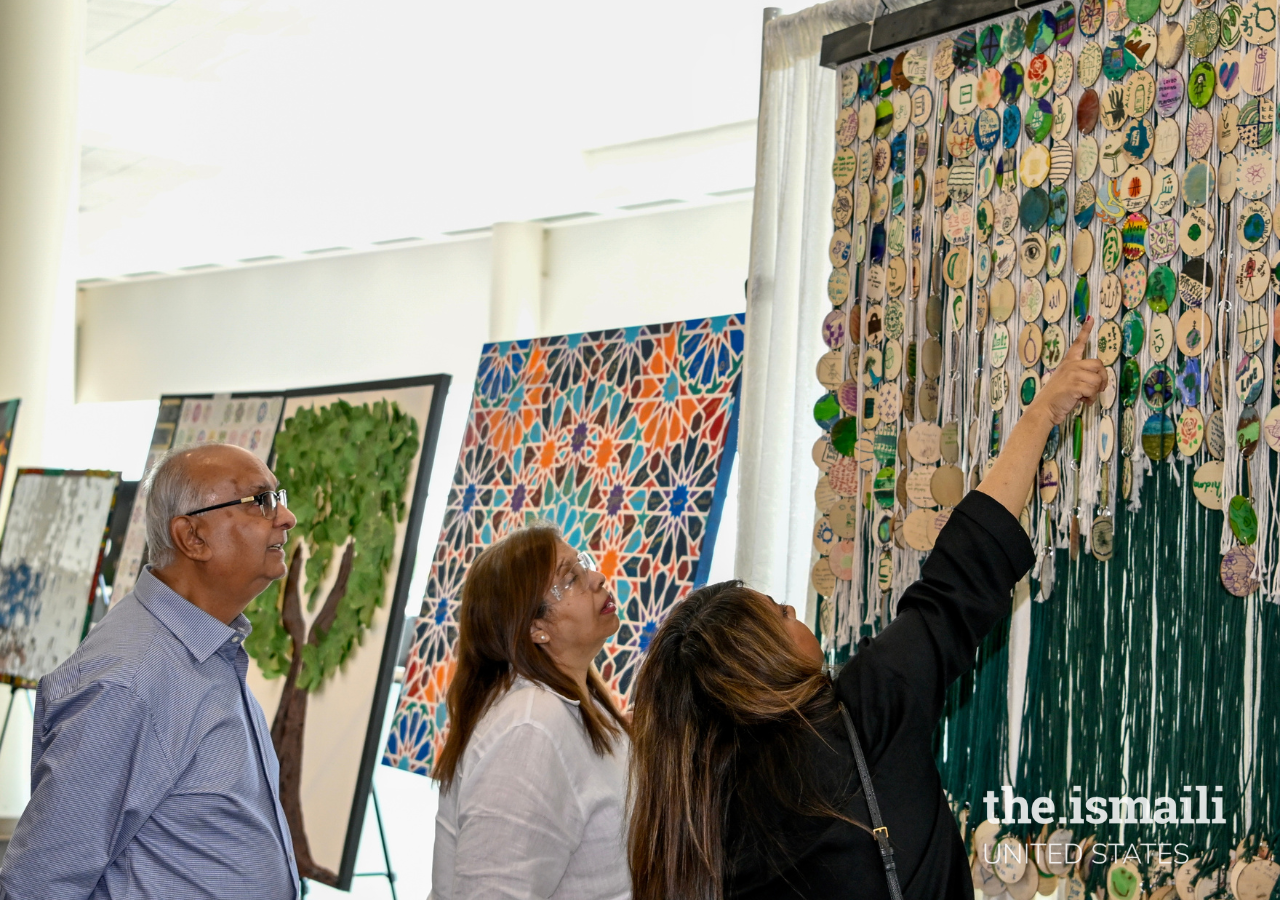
894	688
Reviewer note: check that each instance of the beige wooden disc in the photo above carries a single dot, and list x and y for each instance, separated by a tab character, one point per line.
1004	298
844	518
957	266
1167	140
891	359
1010	860
1107	396
824	454
924	443
1160	339
999	345
1206	484
1055	300
823	536
950	442
1190	431
1106	438
1082	252
1195	331
1030	343
1110	295
831	369
927	399
1257	880
825	496
1048	885
1271	428
918	491
1110	341
824	580
1058	857
947	485
1050	480
1031	300
999	389
981	310
1026	887
918	529
931	358
1087	157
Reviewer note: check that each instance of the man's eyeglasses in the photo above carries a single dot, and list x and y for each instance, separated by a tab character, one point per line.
577	575
268	502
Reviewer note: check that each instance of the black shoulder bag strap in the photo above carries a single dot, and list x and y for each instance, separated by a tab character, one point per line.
881	833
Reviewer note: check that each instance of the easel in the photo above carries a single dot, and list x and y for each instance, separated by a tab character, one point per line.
387	873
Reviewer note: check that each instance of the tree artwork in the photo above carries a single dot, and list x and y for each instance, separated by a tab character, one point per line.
347	470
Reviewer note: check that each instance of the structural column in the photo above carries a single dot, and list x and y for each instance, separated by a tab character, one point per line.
515	304
41	48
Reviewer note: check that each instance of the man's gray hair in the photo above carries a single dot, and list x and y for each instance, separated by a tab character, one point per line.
170	492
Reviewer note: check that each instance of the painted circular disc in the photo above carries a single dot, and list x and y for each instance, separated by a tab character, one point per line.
1258	70
1236	572
1135	332
1196	232
1086	158
1158	436
1228	76
1171	41
1160	337
1252	275
1134	279
1190	431
1109	342
1255	175
1161	289
1162	239
1201	84
1204	33
1170	90
1033	211
1158	391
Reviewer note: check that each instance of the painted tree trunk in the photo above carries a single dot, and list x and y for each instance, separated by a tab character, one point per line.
289	727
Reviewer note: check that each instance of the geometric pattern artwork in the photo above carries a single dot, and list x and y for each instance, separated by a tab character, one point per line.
621	438
248	422
49	563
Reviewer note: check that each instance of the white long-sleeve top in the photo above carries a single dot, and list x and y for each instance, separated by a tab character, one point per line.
533	813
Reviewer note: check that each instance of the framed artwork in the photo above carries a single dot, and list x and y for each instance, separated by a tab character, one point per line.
49	561
246	420
356	460
8	416
624	439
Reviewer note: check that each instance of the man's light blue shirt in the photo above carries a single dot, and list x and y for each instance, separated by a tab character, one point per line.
152	769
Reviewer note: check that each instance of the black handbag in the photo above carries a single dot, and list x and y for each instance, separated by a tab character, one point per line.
881	833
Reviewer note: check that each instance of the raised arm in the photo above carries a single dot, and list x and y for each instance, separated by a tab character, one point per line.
967	581
1014	472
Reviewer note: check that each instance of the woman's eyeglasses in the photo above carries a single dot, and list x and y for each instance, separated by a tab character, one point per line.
268	502
577	575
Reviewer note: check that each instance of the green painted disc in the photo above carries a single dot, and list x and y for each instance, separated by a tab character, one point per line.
1141	10
844	435
1244	521
1130	381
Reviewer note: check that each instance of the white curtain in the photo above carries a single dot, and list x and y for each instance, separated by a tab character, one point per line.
787	298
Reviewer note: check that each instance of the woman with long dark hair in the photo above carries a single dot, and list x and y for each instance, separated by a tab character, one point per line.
744	776
533	772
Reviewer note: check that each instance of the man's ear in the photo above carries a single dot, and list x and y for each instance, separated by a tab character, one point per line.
185	533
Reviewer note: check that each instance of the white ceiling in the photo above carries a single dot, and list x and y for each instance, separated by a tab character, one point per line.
224	130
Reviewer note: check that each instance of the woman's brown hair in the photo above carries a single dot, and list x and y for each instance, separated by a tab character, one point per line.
504	591
721	674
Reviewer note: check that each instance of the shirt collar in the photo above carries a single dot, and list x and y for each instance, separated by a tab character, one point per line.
198	631
521	681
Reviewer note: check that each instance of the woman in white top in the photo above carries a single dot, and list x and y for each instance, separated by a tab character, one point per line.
533	774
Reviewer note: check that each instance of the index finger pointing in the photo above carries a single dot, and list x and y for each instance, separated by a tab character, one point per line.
1076	351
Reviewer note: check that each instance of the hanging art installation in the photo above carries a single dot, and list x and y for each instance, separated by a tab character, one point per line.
356	460
245	421
623	439
993	187
49	562
8	417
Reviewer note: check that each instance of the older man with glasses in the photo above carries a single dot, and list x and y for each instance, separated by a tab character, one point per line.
153	772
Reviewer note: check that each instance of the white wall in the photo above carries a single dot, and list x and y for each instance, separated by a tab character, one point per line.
392	313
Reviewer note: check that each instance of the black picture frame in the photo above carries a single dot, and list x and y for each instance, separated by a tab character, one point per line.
404	577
